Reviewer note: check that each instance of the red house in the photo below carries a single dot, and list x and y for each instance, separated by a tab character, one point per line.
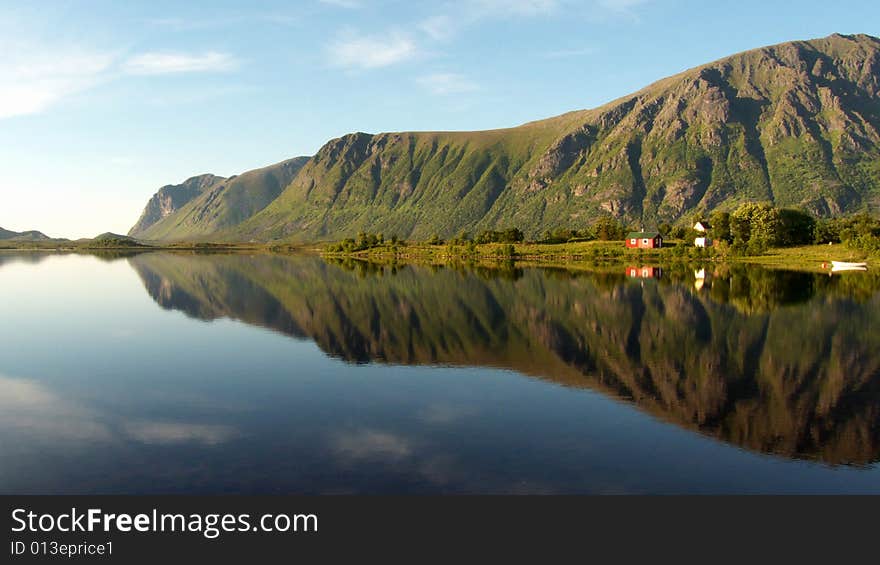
644	240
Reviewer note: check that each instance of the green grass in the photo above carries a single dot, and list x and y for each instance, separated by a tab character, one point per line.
809	257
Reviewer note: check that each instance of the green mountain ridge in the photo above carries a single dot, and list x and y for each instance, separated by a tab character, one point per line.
31	235
219	204
796	124
169	199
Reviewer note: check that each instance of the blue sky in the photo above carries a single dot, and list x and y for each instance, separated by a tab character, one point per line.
101	103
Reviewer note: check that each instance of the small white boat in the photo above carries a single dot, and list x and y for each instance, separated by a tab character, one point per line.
842	266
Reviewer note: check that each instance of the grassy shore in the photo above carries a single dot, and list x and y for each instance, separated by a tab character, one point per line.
810	257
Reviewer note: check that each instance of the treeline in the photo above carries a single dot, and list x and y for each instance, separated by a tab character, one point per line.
755	227
751	229
859	232
603	229
363	242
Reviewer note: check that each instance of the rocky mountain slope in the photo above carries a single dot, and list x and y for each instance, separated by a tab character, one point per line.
169	199
797	124
203	210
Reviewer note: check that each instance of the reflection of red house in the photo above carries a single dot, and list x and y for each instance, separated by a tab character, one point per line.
644	272
644	240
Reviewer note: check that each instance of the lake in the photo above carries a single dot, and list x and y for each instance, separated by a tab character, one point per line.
213	373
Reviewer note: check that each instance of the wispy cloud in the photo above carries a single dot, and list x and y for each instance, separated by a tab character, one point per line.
513	7
34	414
455	16
170	433
177	24
438	27
35	77
443	84
32	80
372	51
342	3
167	62
372	445
620	5
574	52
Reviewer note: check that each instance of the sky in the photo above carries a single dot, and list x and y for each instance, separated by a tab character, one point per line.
103	102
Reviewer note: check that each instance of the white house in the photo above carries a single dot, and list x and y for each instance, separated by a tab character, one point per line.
702	228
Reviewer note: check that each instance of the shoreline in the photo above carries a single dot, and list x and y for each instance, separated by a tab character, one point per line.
564	255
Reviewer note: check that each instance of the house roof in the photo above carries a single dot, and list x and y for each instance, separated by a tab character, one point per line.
703	223
642	235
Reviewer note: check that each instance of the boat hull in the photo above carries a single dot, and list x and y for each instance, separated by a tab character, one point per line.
845	265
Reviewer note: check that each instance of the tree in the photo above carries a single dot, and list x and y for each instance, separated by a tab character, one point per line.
826	231
795	227
609	229
512	235
756	227
720	222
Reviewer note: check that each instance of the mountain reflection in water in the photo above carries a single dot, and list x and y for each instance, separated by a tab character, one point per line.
772	361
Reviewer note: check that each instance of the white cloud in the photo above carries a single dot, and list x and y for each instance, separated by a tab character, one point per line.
444	84
620	5
167	62
342	3
438	27
171	433
372	445
35	77
467	13
203	23
574	52
514	7
31	412
372	51
32	79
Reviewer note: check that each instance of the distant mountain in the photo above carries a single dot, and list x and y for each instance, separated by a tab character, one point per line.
31	235
797	124
205	208
112	236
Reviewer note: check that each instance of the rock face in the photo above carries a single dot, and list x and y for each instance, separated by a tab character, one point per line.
221	204
169	199
796	124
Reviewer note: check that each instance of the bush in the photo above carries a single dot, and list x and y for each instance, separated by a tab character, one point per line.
512	235
565	236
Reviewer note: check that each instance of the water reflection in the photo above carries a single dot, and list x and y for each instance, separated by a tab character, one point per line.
775	362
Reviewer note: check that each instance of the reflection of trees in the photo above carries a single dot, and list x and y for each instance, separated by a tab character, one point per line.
801	380
753	290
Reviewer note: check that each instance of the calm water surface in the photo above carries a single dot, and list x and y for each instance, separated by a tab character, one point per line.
180	373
